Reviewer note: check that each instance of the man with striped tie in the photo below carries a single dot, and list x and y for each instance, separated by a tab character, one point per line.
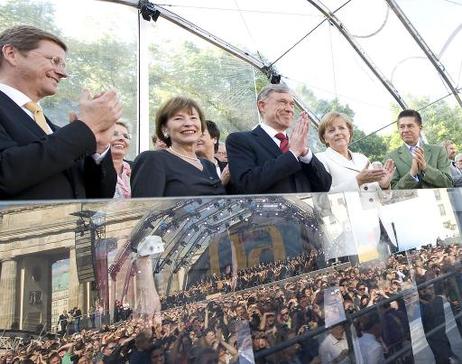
39	160
266	159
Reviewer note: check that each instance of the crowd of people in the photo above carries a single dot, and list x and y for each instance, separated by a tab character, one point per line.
260	274
216	330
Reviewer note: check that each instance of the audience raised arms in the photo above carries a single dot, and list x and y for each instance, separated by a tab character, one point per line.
176	171
265	160
277	308
418	165
39	160
350	171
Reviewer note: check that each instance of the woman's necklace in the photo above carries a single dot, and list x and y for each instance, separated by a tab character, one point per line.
194	159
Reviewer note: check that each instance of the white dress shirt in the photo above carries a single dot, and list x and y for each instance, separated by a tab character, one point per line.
331	348
272	132
19	99
371	349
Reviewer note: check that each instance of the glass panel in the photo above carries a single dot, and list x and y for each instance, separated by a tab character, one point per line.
183	64
324	67
234	278
443	37
245	24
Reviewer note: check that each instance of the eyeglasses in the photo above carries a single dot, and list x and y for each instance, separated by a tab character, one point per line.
125	135
56	61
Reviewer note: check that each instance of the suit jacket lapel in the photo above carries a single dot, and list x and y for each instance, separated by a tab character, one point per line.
337	158
405	156
427	152
265	140
22	118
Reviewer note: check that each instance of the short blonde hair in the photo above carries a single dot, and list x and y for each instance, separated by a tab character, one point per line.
327	121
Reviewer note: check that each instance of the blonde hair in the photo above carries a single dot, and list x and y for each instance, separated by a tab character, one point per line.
328	119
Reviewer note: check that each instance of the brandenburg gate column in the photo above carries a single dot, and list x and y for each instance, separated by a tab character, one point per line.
73	280
8	282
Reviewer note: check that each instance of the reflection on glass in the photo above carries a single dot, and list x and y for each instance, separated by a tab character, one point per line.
231	280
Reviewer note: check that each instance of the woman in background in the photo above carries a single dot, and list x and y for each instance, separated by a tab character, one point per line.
119	147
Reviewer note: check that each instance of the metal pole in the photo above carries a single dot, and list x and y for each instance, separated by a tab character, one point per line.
425	48
341	28
151	11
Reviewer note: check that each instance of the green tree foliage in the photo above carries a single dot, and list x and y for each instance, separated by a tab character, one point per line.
374	146
440	121
224	85
28	12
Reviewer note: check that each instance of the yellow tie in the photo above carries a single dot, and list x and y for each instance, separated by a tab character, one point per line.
38	116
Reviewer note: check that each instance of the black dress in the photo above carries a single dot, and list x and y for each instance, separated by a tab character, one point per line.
160	173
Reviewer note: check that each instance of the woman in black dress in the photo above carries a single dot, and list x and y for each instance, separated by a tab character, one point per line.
176	171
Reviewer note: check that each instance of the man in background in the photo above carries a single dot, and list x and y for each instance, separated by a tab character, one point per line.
221	154
456	172
157	143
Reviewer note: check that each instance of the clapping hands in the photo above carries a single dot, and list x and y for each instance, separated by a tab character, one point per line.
299	135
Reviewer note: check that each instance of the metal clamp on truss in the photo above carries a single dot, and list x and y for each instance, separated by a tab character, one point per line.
148	11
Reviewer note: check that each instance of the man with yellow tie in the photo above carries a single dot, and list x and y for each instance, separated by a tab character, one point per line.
39	160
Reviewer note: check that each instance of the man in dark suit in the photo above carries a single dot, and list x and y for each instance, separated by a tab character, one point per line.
38	160
265	160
